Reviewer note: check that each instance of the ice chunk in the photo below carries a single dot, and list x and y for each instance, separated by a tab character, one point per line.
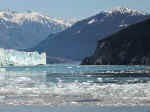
14	57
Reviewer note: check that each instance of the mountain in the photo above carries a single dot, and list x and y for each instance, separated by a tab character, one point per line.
130	46
80	40
25	30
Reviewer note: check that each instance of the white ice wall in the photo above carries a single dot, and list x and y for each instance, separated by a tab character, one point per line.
14	57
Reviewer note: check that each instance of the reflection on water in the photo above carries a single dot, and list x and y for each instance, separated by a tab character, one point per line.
75	85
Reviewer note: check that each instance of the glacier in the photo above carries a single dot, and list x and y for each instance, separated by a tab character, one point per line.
21	58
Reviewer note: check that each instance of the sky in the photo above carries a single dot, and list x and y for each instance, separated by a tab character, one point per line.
68	9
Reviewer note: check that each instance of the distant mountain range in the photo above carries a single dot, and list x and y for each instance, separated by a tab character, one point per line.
130	46
80	40
25	30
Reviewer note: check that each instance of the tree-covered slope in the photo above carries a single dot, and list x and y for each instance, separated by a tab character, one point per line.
130	46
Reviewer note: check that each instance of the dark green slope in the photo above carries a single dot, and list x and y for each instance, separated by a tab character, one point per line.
130	46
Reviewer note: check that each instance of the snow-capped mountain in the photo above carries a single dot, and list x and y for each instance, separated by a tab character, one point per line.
125	10
24	30
80	40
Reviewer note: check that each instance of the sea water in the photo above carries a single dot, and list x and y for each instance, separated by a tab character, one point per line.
86	88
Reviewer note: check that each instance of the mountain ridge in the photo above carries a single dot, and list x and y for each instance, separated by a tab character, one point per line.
80	40
25	30
20	17
124	9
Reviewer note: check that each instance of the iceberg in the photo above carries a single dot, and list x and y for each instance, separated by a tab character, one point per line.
21	58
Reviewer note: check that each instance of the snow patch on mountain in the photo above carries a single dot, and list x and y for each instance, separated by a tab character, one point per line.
123	25
125	10
117	11
19	18
91	21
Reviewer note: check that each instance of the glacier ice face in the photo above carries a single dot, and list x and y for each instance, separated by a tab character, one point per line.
19	58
